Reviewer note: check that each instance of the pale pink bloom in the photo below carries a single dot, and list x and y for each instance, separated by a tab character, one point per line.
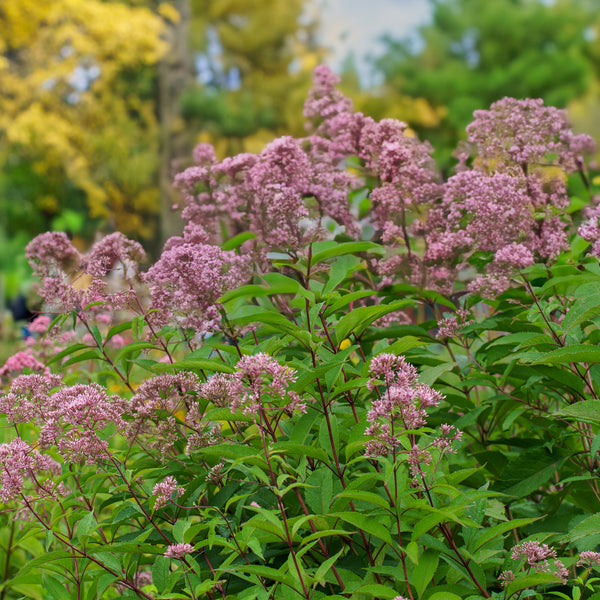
589	558
21	361
178	551
40	324
164	491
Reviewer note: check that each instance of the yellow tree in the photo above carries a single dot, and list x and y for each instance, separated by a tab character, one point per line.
77	87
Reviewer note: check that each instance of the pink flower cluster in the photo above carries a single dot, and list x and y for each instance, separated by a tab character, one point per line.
509	209
19	362
525	132
179	551
164	411
69	418
187	280
537	555
165	490
400	408
589	229
258	381
71	280
20	462
450	325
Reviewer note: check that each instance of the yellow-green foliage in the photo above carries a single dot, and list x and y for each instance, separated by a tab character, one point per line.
103	136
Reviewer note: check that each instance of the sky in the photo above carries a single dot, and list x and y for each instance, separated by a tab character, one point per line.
356	25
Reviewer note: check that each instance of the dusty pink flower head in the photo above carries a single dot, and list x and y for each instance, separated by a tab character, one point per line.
204	154
450	325
257	376
55	260
113	250
179	551
50	253
324	101
164	410
589	559
20	361
527	132
19	461
399	407
535	552
164	491
28	398
74	417
188	279
40	324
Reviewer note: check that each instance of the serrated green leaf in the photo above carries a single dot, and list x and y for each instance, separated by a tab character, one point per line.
346	248
193	364
569	354
131	348
368	525
587	411
429	375
160	573
86	525
237	240
530	581
425	570
360	318
490	533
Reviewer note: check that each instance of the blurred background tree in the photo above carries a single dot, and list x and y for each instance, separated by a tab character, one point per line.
77	118
475	52
253	60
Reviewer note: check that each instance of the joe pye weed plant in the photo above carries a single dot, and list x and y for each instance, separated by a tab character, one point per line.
347	378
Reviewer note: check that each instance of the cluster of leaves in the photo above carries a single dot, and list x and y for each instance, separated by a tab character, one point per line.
307	444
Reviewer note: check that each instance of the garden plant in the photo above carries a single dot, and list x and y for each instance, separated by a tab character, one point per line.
349	377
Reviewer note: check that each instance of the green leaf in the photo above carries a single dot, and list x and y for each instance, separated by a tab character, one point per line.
429	375
589	526
582	310
96	335
491	533
256	314
131	348
237	240
292	449
104	581
262	571
530	581
160	573
347	299
425	570
570	354
367	524
319	576
55	587
346	248
193	364
116	329
360	318
67	352
405	343
90	355
339	270
319	494
364	496
377	591
87	525
587	411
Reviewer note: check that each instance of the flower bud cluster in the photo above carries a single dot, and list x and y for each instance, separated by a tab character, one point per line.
399	410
